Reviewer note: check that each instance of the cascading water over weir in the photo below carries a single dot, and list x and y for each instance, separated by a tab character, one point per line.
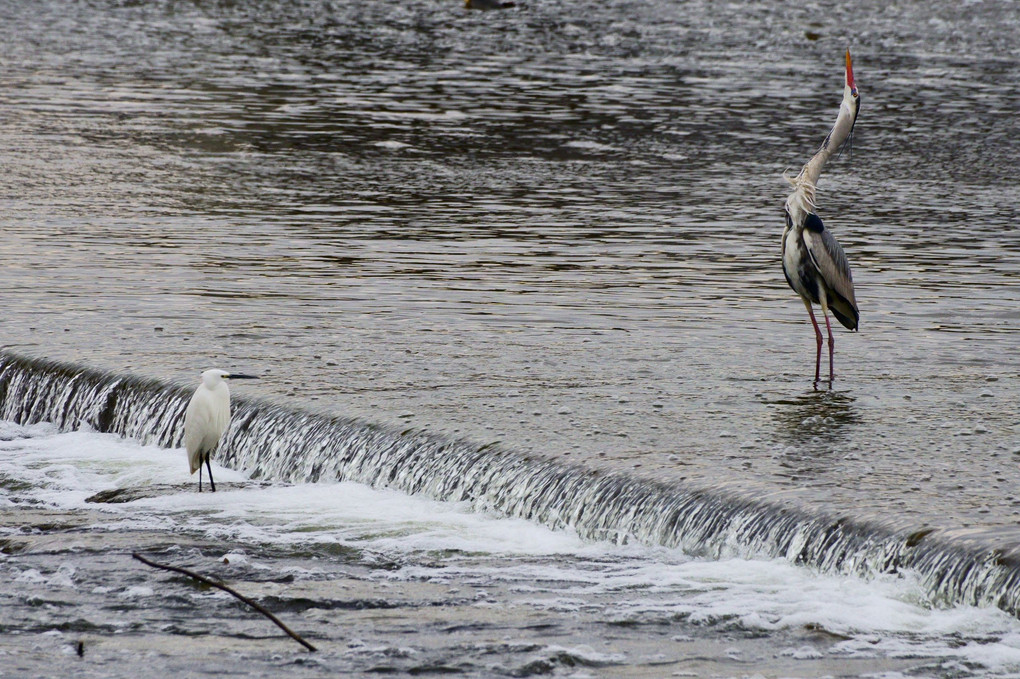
272	442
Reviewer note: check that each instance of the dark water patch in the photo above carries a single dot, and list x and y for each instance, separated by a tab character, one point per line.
77	626
557	660
275	443
12	485
131	494
438	669
302	604
11	546
333	551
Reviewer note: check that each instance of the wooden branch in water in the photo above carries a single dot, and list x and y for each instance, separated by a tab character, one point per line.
201	578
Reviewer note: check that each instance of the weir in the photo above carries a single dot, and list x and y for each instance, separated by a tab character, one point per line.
272	442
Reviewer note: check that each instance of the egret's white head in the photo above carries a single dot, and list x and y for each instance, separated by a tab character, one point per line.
213	376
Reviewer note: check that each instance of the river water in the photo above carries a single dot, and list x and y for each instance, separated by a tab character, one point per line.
552	230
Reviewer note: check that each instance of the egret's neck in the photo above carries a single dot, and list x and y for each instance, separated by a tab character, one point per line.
216	385
806	181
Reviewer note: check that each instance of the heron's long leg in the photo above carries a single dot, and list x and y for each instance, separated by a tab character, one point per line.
199	477
829	328
818	338
208	465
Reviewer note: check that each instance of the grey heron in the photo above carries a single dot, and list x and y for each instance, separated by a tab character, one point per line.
206	419
813	261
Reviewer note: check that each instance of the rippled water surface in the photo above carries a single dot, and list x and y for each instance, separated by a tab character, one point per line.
555	227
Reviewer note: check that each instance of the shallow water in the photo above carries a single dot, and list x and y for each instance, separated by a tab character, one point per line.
554	227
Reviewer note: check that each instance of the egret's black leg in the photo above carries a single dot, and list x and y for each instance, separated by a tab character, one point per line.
208	465
200	478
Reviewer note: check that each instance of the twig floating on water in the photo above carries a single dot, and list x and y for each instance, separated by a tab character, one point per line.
218	585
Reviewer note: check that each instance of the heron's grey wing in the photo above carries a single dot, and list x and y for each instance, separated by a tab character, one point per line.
831	263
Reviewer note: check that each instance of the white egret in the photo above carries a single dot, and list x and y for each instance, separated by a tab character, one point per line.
206	419
813	261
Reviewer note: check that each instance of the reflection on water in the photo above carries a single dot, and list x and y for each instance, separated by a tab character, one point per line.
814	431
818	417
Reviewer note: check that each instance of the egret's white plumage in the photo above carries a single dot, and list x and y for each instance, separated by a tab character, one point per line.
206	419
813	261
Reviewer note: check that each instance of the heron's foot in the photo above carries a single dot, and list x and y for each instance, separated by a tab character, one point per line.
827	383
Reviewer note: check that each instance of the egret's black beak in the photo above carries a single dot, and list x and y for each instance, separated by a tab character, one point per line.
241	376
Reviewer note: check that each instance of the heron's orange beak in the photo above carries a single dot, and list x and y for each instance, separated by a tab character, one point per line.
850	74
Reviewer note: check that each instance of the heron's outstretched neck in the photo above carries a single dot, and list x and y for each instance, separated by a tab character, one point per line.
808	177
802	200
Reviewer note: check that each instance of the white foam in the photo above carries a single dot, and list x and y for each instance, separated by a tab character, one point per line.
884	616
589	146
392	144
136	592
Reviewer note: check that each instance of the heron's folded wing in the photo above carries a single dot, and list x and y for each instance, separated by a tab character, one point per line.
831	263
